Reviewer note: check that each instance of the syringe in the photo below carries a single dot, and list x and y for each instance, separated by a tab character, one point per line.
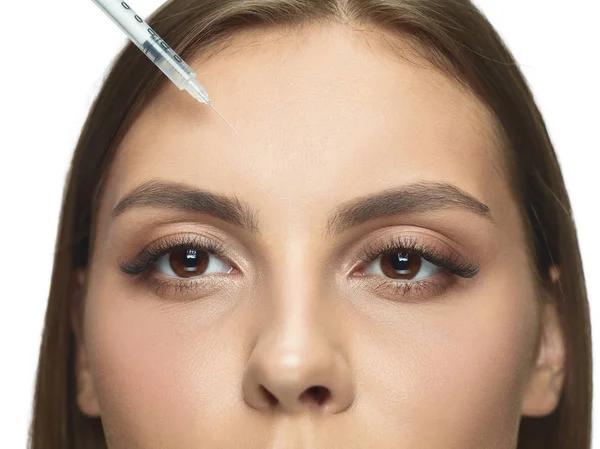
159	52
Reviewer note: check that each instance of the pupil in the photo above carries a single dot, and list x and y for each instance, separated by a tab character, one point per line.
190	260
187	262
401	265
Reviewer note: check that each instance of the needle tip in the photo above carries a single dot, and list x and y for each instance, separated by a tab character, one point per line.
220	115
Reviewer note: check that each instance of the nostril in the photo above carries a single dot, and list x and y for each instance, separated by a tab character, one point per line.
272	400
316	394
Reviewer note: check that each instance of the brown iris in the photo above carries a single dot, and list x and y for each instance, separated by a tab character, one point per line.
398	265
187	262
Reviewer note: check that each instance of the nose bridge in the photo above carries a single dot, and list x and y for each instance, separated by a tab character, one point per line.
297	363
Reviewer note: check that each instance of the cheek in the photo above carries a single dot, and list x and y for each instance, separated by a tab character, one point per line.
454	370
155	368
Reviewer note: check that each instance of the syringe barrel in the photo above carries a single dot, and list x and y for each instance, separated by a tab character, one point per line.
147	40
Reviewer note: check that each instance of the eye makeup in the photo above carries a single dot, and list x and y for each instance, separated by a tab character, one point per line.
451	266
408	253
143	265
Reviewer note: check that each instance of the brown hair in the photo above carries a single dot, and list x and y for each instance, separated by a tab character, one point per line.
457	39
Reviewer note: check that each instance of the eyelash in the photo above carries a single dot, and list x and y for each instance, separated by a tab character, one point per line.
455	265
139	266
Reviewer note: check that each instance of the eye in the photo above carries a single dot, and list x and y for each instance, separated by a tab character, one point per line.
189	262
403	265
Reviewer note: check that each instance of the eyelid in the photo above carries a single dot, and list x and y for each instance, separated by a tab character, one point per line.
452	267
144	259
197	285
439	254
410	291
140	266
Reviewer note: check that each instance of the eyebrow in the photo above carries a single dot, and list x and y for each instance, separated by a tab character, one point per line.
417	197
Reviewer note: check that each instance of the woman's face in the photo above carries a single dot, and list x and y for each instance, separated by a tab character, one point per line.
370	286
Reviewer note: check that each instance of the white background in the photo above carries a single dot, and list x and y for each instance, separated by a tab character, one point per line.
54	57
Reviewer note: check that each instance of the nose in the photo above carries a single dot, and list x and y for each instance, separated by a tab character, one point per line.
297	369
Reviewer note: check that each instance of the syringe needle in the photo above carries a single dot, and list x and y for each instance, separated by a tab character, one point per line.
224	119
145	37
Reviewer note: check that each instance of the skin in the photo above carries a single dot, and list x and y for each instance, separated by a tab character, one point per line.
323	116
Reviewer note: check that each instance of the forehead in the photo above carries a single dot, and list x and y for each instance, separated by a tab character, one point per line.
322	114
